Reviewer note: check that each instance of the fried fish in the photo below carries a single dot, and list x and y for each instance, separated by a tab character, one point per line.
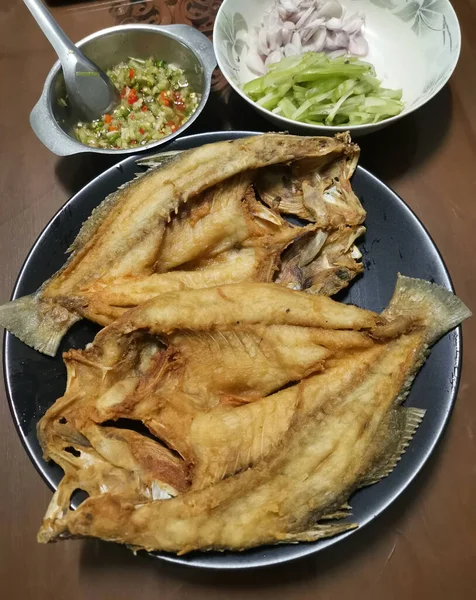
265	459
179	225
316	189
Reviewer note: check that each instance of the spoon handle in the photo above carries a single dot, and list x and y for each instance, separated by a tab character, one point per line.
56	36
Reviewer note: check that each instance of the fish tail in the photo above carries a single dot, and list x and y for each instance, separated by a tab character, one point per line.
38	323
159	160
317	532
99	214
436	307
402	426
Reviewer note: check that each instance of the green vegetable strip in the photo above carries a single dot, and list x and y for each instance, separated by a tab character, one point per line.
313	88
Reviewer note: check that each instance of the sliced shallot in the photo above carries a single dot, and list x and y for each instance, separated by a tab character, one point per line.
293	27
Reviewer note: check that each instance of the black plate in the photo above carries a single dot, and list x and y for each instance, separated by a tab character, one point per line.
395	242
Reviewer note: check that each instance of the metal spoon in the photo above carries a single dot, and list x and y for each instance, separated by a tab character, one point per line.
90	91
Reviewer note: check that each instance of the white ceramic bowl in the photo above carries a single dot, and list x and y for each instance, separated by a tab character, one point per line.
413	44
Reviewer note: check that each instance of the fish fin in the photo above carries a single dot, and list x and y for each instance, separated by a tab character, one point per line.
158	160
407	421
317	532
341	512
338	514
92	223
438	308
38	323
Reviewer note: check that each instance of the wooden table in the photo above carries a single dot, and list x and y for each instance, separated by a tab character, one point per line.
424	546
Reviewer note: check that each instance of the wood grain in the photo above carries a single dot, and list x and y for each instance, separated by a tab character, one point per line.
424	546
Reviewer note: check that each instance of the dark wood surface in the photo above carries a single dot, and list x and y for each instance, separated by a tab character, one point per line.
424	546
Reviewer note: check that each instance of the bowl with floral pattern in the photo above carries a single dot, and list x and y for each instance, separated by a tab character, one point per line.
414	45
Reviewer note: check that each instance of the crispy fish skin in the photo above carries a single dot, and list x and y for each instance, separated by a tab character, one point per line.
226	440
224	237
228	368
124	236
254	303
108	301
220	352
152	198
348	430
213	223
221	219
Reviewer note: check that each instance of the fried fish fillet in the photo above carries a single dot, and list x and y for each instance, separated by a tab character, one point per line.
266	467
110	300
173	218
224	218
